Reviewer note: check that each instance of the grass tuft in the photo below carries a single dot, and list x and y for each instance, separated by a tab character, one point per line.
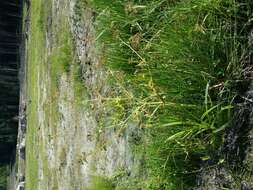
179	58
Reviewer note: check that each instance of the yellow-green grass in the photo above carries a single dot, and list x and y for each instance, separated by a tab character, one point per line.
100	183
36	59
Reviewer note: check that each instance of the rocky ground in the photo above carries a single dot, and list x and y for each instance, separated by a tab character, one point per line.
73	151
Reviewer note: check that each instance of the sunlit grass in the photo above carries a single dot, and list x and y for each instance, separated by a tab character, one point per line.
173	63
36	58
177	59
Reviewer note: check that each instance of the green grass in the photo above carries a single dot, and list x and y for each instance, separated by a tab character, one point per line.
37	70
174	63
100	183
179	58
61	56
35	58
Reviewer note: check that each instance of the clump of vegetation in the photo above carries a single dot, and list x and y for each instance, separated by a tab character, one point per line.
180	59
62	56
101	184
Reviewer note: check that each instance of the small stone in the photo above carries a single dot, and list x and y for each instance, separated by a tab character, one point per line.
246	186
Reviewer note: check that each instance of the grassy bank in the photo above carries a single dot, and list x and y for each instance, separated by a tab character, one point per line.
176	63
173	66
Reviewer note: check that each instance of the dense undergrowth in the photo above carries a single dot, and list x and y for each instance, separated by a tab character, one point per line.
3	178
177	63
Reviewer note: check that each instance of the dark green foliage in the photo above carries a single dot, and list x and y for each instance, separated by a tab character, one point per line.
9	98
3	177
10	36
